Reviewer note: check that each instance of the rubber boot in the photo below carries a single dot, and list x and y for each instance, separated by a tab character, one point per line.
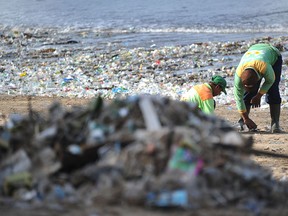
275	110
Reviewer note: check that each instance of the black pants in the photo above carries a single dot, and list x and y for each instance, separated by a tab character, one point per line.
273	94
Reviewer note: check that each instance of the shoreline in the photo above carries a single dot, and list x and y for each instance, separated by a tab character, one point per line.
50	65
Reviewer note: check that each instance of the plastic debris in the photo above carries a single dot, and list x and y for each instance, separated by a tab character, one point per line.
49	66
113	151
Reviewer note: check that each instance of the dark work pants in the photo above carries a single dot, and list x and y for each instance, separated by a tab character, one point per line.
273	94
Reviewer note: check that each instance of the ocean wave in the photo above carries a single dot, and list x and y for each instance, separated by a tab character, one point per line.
277	28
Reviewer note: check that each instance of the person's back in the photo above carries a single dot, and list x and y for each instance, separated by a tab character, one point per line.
203	94
259	57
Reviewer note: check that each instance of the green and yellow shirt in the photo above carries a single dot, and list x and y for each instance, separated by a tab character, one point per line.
259	57
201	95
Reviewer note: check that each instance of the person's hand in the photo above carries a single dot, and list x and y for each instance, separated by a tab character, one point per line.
250	123
256	101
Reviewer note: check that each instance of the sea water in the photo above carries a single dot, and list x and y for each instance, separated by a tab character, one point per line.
134	23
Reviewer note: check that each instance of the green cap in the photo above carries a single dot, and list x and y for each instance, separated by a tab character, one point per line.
218	80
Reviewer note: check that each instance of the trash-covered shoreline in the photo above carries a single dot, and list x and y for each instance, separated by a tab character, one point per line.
140	151
51	63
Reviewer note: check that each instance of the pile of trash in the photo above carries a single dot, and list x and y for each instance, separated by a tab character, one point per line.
141	150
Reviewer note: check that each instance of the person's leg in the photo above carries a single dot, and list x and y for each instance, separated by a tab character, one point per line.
273	98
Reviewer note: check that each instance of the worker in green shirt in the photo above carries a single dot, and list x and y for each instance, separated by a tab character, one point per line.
260	61
203	94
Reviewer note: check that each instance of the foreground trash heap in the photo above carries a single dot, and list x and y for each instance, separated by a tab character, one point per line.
141	150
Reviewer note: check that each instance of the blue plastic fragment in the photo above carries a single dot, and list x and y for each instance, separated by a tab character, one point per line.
177	198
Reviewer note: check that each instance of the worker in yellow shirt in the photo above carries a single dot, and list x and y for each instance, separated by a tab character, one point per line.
260	62
203	94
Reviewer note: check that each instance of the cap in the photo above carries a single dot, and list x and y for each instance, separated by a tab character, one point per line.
218	80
